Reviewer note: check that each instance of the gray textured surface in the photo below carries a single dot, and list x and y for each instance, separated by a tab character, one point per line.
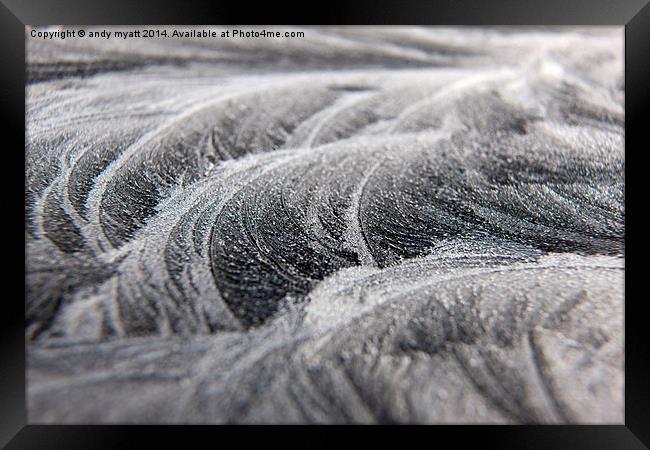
367	225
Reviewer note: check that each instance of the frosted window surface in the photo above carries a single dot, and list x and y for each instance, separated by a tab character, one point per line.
361	225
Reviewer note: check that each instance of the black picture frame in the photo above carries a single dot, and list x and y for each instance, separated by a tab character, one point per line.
634	15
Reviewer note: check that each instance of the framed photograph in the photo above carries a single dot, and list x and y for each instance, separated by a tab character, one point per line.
393	213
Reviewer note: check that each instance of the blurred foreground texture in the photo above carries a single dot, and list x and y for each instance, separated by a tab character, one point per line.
363	225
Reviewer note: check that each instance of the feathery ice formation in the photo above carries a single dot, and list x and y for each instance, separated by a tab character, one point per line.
365	225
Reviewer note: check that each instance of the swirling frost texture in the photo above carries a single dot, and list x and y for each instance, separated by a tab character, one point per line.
366	225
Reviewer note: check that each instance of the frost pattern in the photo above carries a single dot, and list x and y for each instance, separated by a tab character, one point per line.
374	225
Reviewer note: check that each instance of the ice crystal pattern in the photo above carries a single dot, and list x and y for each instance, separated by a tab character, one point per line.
365	225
